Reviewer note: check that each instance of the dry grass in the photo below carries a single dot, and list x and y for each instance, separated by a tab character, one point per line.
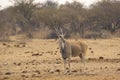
41	60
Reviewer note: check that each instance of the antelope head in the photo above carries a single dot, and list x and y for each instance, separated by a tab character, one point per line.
60	34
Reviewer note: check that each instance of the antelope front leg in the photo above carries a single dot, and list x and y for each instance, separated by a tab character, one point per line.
69	66
65	68
83	61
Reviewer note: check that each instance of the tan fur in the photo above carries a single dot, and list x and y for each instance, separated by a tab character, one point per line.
73	49
77	48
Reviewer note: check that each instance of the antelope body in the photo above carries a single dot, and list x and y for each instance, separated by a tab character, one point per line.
70	49
73	49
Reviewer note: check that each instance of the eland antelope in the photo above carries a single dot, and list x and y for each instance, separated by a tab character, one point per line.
70	49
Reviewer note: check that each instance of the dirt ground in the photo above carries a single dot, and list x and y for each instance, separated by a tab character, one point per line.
41	60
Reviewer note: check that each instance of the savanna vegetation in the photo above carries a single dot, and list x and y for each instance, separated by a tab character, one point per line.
37	20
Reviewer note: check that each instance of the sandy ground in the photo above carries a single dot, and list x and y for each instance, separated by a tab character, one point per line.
41	60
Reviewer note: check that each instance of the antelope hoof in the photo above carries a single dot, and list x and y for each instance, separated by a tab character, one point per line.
67	72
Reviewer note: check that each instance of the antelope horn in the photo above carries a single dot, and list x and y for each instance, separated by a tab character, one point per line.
56	31
61	31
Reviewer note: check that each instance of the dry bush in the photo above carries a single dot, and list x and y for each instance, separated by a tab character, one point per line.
75	36
4	37
106	34
117	33
101	34
90	35
42	33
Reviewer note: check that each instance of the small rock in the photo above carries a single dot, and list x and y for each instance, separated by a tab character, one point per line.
106	67
33	75
23	45
36	54
5	78
86	68
118	54
5	64
40	54
118	69
51	71
57	70
24	71
33	64
80	70
37	71
26	67
4	44
18	64
91	58
8	46
58	62
49	62
101	58
27	52
26	76
8	73
90	48
26	63
56	51
58	59
101	68
92	51
31	52
23	75
16	45
74	71
1	73
14	63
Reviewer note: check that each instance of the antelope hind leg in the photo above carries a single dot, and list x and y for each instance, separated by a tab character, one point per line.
82	56
69	66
